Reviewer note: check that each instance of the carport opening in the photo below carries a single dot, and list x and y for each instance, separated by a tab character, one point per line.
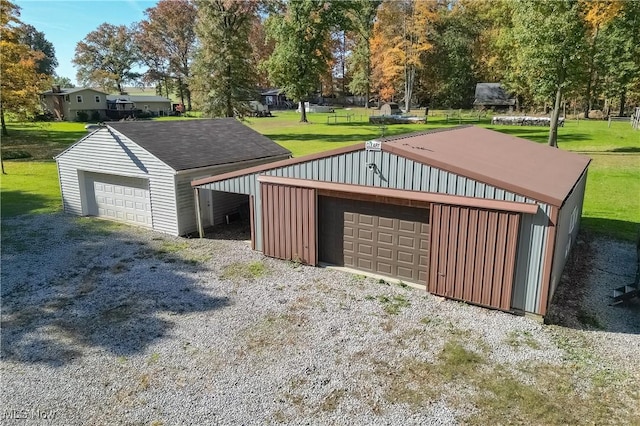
225	215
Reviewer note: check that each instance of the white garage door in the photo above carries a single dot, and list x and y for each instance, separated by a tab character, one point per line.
120	198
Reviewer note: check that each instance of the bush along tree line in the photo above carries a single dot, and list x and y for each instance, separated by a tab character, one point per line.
214	55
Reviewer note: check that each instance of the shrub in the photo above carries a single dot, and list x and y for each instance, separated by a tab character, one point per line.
95	115
82	116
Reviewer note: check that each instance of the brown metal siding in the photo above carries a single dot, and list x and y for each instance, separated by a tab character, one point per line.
289	222
385	239
473	254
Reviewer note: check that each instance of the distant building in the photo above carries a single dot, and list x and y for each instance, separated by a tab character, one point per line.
493	96
68	103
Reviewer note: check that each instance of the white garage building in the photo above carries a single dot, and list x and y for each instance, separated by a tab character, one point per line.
140	172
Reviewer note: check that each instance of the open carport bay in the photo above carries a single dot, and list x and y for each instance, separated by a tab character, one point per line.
122	325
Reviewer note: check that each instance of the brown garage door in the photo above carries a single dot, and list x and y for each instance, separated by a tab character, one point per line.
381	238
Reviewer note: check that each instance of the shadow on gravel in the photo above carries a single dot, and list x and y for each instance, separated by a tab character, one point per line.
583	300
99	288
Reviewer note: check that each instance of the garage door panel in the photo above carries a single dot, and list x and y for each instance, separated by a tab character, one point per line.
385	239
365	234
120	198
385	253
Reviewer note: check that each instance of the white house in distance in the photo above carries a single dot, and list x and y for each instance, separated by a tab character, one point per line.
67	104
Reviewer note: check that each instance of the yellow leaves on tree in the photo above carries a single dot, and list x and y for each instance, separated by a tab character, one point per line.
20	82
400	37
598	13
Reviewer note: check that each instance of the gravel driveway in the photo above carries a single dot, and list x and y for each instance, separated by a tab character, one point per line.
107	324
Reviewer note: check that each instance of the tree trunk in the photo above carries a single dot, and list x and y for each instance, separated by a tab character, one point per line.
410	74
4	133
4	125
180	90
623	100
303	113
189	107
553	128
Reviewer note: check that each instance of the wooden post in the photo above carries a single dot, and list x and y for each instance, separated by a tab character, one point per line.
198	213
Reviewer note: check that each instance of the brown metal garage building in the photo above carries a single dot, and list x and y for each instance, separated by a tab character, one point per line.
469	213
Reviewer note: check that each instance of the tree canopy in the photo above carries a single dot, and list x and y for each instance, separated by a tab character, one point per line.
21	80
106	57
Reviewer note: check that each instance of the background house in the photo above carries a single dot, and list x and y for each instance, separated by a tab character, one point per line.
157	106
468	213
493	96
65	103
140	172
68	104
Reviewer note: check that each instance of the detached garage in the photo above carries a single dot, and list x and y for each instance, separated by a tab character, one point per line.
140	172
469	213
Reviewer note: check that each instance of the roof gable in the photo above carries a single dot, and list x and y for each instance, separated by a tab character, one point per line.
196	143
71	90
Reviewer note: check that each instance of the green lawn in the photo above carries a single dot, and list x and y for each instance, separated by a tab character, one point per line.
612	201
29	187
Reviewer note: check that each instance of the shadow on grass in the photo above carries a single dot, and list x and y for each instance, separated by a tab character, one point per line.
627	149
617	229
540	134
41	141
315	137
103	287
14	203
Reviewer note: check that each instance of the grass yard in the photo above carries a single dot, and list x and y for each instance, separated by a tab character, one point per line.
612	201
29	187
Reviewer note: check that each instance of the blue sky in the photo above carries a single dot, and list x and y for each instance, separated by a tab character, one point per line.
65	23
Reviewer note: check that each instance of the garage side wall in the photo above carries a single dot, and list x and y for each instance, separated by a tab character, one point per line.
104	152
567	232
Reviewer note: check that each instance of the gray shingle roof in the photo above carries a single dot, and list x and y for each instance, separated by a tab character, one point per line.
492	94
191	144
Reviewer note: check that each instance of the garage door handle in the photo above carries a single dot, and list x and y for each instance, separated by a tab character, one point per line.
441	274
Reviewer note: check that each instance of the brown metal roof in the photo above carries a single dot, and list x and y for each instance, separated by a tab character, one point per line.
518	165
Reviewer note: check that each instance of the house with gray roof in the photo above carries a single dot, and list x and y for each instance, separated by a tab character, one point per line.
140	172
69	104
493	96
65	103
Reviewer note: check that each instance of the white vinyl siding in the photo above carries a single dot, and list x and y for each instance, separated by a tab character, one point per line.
101	152
185	193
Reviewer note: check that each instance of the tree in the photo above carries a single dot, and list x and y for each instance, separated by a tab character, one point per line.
596	15
401	38
549	48
361	15
301	55
37	42
225	75
106	57
63	81
621	53
21	82
449	73
166	41
261	49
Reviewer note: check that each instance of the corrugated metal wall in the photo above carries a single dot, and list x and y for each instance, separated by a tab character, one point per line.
567	231
101	152
473	253
400	173
289	223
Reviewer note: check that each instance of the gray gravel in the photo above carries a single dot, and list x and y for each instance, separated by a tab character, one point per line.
106	324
